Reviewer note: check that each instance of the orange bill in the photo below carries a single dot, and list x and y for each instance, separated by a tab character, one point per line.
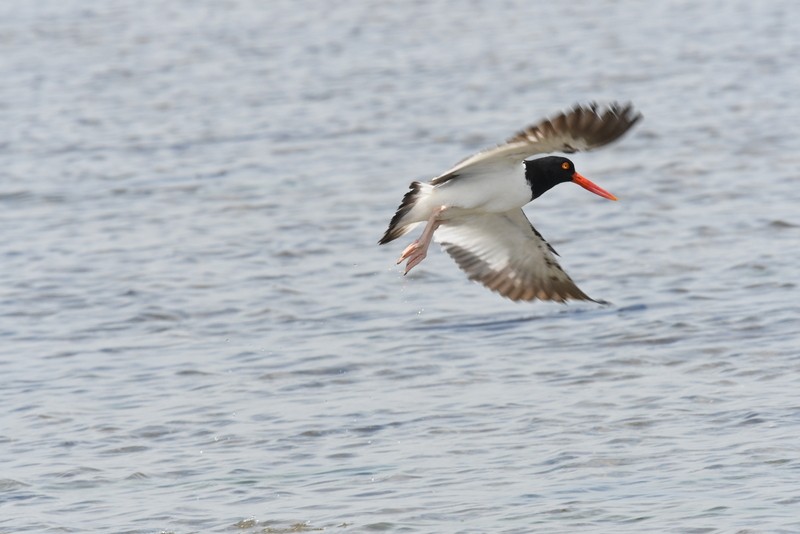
589	186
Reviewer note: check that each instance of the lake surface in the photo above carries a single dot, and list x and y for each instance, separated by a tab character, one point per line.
198	332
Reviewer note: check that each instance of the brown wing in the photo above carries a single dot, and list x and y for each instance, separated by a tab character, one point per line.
506	254
581	128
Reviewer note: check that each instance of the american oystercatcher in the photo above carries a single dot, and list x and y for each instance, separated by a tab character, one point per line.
474	210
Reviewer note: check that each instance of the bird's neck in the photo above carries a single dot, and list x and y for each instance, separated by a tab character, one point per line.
539	180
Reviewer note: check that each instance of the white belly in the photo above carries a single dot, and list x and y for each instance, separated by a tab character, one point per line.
491	192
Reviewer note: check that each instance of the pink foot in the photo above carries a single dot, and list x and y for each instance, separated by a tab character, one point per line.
414	253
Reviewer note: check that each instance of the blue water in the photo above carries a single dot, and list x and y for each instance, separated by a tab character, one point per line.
198	332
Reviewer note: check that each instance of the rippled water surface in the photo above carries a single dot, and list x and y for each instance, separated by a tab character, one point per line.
199	333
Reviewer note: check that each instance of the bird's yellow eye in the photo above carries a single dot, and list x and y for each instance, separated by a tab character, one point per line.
565	165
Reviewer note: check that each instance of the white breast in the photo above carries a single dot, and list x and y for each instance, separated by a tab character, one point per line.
496	189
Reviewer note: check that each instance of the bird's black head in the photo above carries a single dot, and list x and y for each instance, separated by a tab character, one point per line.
545	173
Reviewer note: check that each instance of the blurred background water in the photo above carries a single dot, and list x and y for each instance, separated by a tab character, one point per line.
198	332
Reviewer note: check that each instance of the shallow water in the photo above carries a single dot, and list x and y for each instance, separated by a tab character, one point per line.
199	333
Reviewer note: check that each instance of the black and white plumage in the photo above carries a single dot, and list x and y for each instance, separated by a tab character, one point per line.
474	210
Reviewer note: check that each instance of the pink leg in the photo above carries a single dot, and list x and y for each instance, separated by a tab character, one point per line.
416	251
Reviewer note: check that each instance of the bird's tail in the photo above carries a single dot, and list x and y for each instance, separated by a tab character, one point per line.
404	220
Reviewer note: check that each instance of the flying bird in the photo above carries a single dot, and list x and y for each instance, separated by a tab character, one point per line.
474	210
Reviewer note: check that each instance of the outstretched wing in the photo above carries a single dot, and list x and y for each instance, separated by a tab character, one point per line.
581	128
504	252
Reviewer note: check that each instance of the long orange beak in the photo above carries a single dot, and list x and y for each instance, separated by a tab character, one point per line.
589	186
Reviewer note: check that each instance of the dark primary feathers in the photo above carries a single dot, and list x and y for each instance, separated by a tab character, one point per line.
589	126
579	129
505	253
